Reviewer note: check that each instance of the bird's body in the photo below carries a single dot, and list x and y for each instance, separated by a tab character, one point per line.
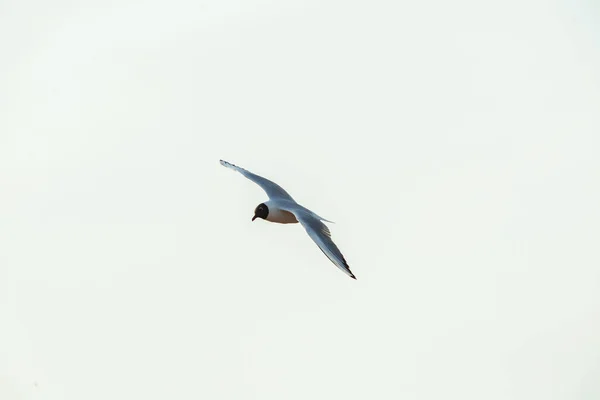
283	209
278	213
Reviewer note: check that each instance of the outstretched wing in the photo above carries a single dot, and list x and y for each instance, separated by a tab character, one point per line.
319	233
273	190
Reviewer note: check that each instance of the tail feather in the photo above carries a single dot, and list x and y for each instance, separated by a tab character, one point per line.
323	219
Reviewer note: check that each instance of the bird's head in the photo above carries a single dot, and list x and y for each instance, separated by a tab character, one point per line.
261	211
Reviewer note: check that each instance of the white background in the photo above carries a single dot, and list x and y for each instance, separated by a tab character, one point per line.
455	144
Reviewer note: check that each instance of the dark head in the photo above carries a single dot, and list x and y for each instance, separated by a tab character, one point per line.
261	211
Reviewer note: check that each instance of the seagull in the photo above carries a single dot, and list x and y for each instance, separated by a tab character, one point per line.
283	209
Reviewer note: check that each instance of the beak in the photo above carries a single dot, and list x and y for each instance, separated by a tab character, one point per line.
253	218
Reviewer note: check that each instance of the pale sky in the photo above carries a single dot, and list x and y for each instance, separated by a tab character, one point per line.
455	144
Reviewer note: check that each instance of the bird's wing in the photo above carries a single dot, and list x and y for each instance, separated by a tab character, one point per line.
319	232
273	190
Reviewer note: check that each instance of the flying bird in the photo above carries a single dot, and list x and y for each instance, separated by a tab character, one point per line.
283	209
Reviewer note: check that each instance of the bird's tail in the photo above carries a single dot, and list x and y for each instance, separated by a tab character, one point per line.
323	219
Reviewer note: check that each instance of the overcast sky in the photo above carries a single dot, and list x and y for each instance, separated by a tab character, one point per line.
455	144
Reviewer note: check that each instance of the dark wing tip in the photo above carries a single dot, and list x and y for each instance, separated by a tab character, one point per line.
348	268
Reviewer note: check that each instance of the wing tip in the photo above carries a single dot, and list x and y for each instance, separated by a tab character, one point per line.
229	165
350	274
347	267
